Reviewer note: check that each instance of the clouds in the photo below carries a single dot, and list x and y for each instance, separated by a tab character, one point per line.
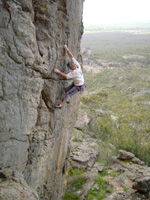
115	11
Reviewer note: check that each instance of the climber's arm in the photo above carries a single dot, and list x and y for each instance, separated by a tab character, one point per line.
69	53
60	73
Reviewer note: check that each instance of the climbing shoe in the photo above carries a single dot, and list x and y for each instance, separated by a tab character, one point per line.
58	106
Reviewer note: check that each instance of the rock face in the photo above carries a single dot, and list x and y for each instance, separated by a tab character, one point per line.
33	136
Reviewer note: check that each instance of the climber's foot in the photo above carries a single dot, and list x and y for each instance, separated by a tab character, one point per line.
58	106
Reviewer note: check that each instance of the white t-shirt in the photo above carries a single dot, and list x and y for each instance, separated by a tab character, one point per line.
76	74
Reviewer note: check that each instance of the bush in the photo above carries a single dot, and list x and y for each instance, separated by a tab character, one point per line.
69	196
74	171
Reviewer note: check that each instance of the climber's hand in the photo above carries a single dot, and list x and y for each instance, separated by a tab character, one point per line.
56	71
69	53
65	46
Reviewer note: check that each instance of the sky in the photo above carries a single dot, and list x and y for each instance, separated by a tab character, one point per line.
97	12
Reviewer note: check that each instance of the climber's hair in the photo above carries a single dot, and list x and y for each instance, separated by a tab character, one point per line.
70	64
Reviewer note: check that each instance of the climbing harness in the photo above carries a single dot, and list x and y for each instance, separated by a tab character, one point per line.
81	88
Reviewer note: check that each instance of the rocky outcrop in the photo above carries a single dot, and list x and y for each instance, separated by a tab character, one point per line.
125	155
34	136
83	156
129	179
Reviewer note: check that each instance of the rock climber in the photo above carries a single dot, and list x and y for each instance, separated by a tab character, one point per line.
76	74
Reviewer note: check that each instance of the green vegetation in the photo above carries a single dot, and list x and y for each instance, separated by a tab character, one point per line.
76	178
78	182
125	189
102	191
76	140
122	92
113	174
103	173
74	171
5	172
73	150
69	196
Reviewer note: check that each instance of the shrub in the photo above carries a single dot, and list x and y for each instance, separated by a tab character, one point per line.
69	196
78	182
74	171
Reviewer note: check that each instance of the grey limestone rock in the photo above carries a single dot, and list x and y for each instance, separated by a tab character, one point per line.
16	188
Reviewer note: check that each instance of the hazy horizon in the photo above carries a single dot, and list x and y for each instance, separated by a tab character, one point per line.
118	24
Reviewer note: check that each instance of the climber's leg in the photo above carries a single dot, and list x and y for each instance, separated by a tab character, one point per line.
69	87
63	102
69	94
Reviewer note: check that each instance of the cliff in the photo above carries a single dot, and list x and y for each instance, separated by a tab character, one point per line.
33	136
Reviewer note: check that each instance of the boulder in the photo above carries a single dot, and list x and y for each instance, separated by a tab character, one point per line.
142	184
125	155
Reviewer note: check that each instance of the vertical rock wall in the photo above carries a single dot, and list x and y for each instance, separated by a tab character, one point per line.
33	136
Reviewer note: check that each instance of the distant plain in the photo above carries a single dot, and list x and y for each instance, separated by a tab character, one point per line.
122	90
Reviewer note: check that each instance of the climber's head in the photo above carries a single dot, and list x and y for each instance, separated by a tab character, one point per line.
71	65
